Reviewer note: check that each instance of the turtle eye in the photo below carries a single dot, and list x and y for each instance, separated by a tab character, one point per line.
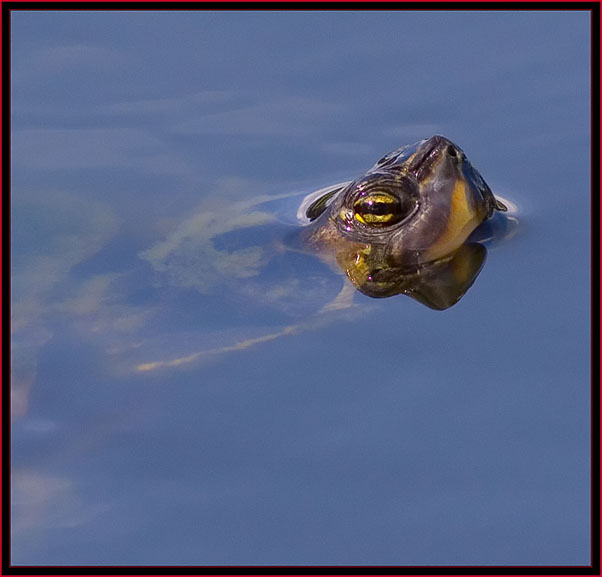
379	209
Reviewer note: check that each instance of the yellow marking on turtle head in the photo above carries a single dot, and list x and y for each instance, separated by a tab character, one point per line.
356	264
462	220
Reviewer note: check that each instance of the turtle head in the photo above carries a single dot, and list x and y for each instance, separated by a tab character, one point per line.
420	202
404	225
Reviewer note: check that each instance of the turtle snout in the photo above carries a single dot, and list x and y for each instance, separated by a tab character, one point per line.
430	152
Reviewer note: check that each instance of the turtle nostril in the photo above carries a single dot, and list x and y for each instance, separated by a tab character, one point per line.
452	151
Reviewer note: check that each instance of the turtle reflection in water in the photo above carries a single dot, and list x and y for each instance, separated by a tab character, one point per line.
403	226
407	226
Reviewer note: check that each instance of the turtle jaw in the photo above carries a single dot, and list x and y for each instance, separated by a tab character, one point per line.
437	156
454	200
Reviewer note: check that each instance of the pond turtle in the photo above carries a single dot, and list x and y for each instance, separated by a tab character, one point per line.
403	226
409	225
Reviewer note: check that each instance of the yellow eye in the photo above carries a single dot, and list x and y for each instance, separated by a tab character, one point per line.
379	209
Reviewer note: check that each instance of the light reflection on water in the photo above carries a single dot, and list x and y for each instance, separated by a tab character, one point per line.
179	377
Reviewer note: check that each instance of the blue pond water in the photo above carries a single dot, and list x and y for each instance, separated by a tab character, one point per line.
180	393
